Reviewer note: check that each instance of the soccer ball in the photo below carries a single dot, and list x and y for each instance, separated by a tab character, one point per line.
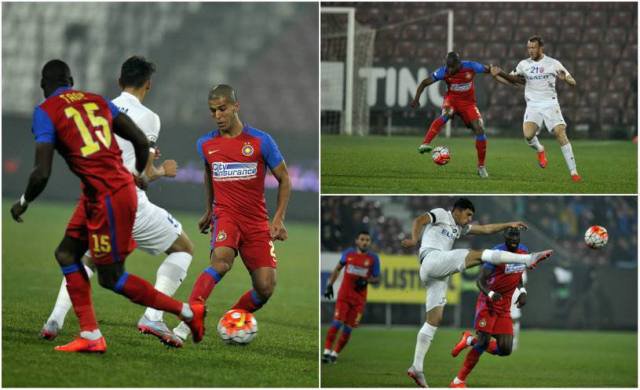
440	155
596	237
237	327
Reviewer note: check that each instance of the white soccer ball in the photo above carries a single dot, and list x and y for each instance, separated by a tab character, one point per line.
440	155
237	327
596	237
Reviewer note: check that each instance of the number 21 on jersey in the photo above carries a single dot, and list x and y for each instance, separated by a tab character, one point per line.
104	135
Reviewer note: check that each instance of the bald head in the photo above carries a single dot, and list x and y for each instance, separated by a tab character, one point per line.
55	74
223	91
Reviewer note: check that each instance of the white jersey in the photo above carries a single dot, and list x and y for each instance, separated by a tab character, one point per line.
442	232
540	77
147	120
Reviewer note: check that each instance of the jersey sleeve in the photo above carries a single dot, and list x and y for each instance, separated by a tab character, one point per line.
560	67
270	152
375	267
519	70
465	229
343	257
150	126
115	111
438	215
438	74
489	266
42	127
475	66
523	248
199	148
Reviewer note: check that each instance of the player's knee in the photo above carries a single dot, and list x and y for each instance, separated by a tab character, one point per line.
108	278
64	257
505	349
181	244
265	290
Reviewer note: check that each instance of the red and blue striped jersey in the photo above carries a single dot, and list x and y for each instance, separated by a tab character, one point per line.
504	279
357	265
460	84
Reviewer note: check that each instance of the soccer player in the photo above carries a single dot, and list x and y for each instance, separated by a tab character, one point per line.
539	73
236	157
460	100
440	229
497	284
78	124
154	229
361	268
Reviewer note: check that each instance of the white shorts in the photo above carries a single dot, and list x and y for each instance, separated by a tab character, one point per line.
154	229
435	270
551	116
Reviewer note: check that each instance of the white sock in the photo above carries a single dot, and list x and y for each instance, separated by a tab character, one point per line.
457	381
170	275
326	351
186	312
503	257
63	302
516	333
425	335
535	144
334	353
469	340
567	152
91	335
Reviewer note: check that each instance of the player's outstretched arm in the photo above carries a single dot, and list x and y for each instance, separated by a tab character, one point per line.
37	180
483	284
415	103
416	229
205	220
496	227
278	231
328	291
127	129
168	168
502	77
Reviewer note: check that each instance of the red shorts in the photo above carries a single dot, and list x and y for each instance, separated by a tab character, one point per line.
492	323
251	240
467	110
107	224
349	313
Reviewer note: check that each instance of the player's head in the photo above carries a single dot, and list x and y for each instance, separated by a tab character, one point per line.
512	238
535	47
55	74
224	106
136	73
463	211
363	240
453	62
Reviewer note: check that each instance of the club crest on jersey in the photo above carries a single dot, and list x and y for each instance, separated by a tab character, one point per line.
247	149
482	323
221	236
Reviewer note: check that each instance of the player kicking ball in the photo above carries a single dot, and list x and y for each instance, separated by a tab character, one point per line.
236	157
539	73
497	284
460	100
154	229
361	267
440	229
78	124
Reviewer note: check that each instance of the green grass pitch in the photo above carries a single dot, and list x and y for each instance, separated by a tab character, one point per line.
378	164
377	357
285	352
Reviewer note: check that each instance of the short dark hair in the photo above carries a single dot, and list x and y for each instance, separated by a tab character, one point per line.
537	38
463	204
365	232
453	58
135	72
56	73
223	90
512	233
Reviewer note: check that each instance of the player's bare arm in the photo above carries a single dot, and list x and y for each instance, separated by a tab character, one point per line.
496	227
483	284
278	231
416	229
37	180
566	77
415	103
328	291
522	298
127	129
502	77
168	168
205	220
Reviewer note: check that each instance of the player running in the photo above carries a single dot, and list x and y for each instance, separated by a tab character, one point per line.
362	268
460	100
235	157
154	229
440	229
78	124
539	73
497	284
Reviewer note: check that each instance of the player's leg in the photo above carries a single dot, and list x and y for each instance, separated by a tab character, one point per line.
354	315
436	300
63	304
476	257
472	118
530	128
335	327
471	359
505	344
436	126
468	340
560	131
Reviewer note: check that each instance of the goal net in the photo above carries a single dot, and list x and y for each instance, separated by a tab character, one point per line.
346	51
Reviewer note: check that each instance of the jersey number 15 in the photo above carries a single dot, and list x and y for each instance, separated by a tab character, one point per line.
104	135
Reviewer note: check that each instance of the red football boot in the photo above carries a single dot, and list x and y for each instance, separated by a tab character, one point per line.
542	159
539	256
576	178
84	345
454	385
462	344
196	324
